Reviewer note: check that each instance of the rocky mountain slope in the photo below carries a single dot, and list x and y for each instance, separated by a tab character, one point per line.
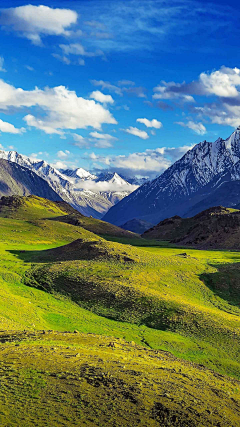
18	180
136	225
89	194
188	186
217	227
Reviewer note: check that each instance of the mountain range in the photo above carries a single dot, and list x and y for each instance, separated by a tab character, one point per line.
207	175
15	179
90	194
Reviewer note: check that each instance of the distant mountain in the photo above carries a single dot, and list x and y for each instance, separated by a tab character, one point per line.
137	226
217	227
90	194
135	180
189	185
17	180
78	173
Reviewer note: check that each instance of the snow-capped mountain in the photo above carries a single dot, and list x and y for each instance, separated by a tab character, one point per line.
86	192
78	173
191	183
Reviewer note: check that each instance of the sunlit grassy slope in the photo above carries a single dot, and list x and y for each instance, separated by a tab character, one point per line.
178	300
65	379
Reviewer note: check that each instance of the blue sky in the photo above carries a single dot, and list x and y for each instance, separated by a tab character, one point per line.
118	85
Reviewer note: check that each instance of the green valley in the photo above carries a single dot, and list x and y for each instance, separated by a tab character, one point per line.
93	319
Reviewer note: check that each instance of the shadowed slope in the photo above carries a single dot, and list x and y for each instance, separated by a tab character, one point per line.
17	180
217	227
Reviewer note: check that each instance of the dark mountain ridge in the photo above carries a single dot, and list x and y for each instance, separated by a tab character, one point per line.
217	227
20	181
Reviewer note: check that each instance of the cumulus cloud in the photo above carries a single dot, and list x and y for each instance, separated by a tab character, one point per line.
80	141
223	85
102	136
100	97
137	132
103	143
59	165
63	154
33	22
171	91
104	140
6	127
150	123
63	108
198	128
105	186
149	163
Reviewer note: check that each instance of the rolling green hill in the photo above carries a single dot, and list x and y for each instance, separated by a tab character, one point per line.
34	208
128	306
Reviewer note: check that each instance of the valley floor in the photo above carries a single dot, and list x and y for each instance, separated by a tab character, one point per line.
156	339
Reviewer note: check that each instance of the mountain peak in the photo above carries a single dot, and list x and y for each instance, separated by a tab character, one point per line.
203	170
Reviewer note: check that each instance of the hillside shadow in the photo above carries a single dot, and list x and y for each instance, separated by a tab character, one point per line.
225	283
32	256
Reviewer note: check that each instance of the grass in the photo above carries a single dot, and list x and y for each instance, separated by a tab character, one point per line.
183	301
83	379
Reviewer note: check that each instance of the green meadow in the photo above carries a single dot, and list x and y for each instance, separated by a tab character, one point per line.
146	295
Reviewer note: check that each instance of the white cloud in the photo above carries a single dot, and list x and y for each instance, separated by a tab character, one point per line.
104	140
63	108
33	22
9	128
59	165
100	97
150	123
28	67
62	58
148	163
103	143
102	136
80	141
171	91
198	128
108	86
63	154
78	49
2	64
38	156
137	132
222	83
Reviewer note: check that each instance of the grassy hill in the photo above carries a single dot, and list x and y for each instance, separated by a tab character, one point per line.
127	303
34	208
217	227
87	380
